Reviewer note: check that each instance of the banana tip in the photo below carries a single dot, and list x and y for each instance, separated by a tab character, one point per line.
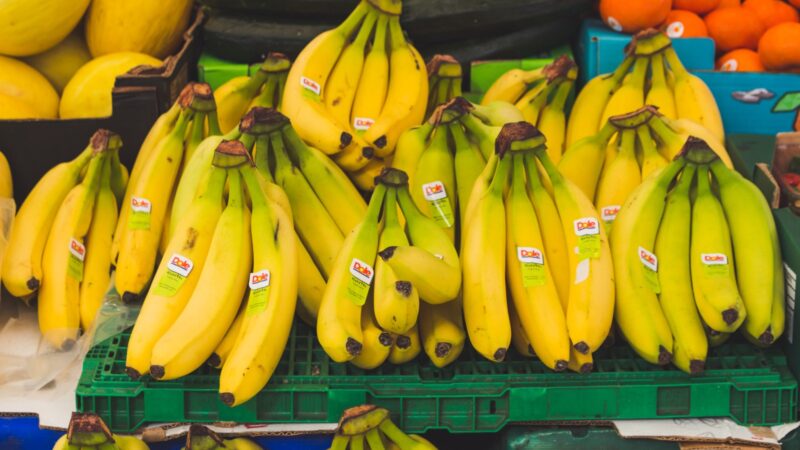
582	347
587	367
129	297
664	356
385	339
560	365
403	342
697	366
157	372
500	354
730	316
32	284
443	349
353	346
766	337
345	139
227	398
67	344
387	253
133	373
214	360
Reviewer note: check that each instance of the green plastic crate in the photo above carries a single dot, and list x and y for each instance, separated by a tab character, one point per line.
748	385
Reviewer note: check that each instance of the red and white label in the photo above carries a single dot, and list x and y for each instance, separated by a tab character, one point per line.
530	255
586	226
648	259
311	85
362	123
77	249
139	204
259	280
434	191
362	270
675	29
180	265
714	259
609	213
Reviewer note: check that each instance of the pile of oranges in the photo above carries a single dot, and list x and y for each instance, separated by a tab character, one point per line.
750	35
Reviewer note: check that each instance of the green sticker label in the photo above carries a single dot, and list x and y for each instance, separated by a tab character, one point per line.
361	275
77	254
259	288
588	231
311	89
532	261
436	195
178	268
650	267
715	264
139	217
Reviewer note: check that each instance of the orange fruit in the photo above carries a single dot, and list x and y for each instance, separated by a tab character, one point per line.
740	60
734	27
695	6
779	47
772	12
795	3
631	16
681	23
729	3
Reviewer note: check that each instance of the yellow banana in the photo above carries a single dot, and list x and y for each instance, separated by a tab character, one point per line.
519	338
406	346
370	95
693	98
377	342
630	95
223	350
364	178
512	85
498	113
652	160
434	189
580	363
468	164
582	161
690	345
409	149
660	93
277	65
310	291
671	139
444	81
339	317
441	328
552	122
532	103
481	133
119	177
271	303
622	177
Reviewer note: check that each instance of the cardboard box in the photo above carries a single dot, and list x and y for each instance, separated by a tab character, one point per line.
34	146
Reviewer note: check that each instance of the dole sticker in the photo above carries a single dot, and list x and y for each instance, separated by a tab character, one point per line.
714	259
362	123
311	85
180	265
259	280
586	226
434	191
530	255
362	271
648	259
77	249
609	213
141	205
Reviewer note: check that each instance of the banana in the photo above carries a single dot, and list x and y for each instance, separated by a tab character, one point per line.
407	94
63	260
277	66
590	305
431	263
364	178
310	291
396	302
630	95
754	237
302	98
212	307
444	81
580	363
519	338
533	290
633	235
686	128
377	343
406	346
532	103
590	104
512	85
652	160
374	440
146	210
129	443
468	164
498	113
119	177
690	344
360	419
341	199
552	122
339	317
6	183
582	161
409	149
621	178
483	256
713	272
481	133
693	99
96	273
22	263
177	274
223	350
434	189
660	93
316	228
402	440
441	328
270	304
370	95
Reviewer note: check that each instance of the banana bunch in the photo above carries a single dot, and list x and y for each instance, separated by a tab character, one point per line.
143	228
264	88
219	250
650	74
694	263
628	149
444	81
393	292
548	250
58	245
88	432
369	426
355	88
541	95
202	438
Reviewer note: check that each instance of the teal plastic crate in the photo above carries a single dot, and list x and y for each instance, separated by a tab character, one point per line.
748	385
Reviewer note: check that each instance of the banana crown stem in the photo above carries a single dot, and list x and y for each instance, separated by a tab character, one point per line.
212	118
500	179
375	203
396	34
349	25
675	63
685	181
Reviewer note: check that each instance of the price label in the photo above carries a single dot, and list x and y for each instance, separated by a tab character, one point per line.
259	288
77	254
311	89
436	195
715	264
532	261
361	275
650	267
588	231
178	269
139	217
362	123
